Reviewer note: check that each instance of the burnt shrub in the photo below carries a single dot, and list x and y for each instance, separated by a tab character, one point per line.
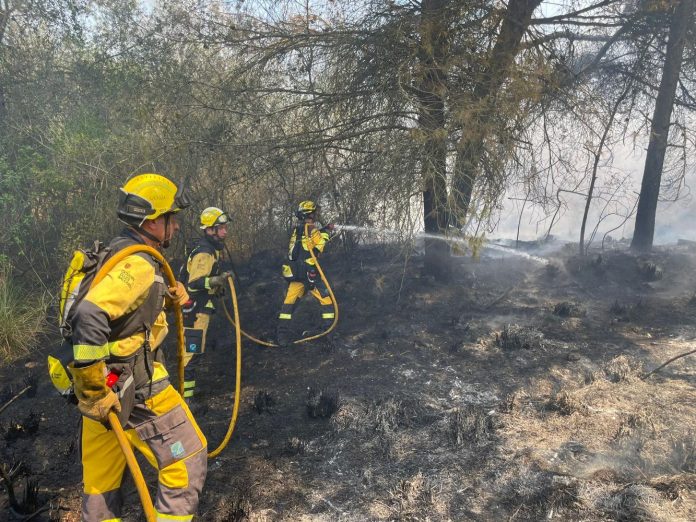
567	309
649	271
264	402
515	337
322	404
235	506
24	428
294	446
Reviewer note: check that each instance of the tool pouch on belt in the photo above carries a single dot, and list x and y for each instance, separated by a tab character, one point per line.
193	339
134	382
125	385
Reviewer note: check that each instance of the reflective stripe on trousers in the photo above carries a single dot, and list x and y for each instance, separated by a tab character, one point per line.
296	290
165	432
190	362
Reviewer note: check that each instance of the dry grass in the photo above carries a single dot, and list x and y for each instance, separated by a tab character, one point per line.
623	368
381	416
414	499
532	494
633	503
22	317
565	403
470	425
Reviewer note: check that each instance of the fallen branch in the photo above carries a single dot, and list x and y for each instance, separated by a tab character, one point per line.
498	299
669	361
4	406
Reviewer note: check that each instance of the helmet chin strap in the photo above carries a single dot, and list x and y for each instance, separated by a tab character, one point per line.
150	236
161	243
167	237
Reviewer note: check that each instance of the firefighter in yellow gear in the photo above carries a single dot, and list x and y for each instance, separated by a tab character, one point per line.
116	331
301	272
204	281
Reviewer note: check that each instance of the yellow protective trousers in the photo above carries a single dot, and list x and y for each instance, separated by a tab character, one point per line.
191	360
297	289
164	431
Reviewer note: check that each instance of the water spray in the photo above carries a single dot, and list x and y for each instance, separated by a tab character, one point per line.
448	239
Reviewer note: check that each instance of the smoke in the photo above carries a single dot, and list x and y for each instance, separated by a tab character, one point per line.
618	186
449	239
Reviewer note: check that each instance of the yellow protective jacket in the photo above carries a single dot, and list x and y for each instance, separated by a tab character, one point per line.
123	314
298	249
202	264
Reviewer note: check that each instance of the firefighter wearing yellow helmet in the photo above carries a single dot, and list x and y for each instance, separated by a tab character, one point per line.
204	281
116	331
300	271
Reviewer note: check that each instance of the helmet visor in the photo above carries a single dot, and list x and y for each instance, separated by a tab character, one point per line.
181	199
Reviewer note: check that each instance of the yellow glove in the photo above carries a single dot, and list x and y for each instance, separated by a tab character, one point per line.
95	398
178	294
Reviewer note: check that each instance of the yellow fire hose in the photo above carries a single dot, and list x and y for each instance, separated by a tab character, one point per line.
235	322
138	478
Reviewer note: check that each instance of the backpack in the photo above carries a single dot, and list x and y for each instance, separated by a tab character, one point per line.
83	267
183	274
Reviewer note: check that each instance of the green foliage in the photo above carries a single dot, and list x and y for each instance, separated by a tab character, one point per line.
22	317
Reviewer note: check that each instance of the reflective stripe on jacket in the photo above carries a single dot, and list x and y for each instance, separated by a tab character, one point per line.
298	249
123	313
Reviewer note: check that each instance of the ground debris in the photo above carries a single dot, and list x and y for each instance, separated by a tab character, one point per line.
534	494
564	403
514	337
623	368
633	503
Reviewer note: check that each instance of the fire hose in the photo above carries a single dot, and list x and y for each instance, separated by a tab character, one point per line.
235	321
133	466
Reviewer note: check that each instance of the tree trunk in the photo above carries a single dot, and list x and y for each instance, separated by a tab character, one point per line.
595	166
644	230
471	145
431	120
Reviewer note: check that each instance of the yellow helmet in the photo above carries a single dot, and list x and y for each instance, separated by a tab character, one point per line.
305	208
213	216
148	196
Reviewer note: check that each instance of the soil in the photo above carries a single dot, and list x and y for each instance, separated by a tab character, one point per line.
512	392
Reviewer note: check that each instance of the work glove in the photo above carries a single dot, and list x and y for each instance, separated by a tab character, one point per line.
329	228
94	398
178	294
219	281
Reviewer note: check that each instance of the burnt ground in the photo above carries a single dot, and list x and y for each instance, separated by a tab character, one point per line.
512	393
